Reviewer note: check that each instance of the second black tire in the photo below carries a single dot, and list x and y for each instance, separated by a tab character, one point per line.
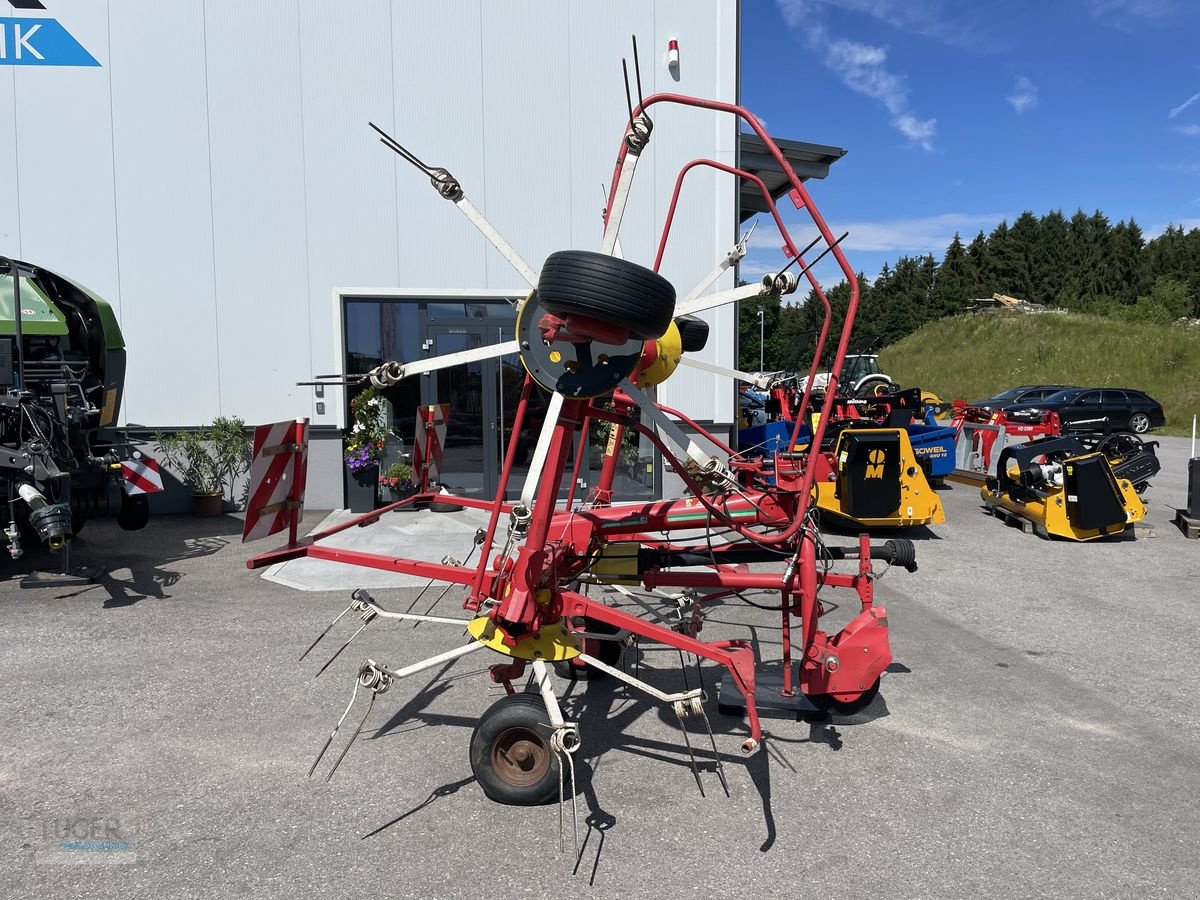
609	289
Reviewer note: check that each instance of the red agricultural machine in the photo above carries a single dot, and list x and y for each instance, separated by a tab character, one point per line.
597	333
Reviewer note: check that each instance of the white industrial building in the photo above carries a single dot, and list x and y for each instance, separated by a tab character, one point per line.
215	179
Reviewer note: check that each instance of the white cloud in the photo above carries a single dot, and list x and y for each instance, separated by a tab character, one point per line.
862	68
947	21
1184	105
1122	13
921	234
1189	130
1186	224
1024	95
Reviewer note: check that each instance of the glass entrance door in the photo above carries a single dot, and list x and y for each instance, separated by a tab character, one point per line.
470	449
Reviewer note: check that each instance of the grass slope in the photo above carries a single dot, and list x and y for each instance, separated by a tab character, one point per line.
975	356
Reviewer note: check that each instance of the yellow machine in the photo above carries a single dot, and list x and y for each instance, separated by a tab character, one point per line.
1063	489
874	479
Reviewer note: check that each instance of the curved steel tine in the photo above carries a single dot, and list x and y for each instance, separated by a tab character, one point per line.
329	740
326	631
687	740
340	649
353	737
716	755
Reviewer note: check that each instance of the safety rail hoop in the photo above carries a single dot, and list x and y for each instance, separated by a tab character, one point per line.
804	201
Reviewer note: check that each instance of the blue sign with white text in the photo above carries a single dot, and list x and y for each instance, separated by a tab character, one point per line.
40	42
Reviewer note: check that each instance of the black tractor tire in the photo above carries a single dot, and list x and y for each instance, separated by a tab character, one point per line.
870	387
510	752
612	290
693	333
1139	423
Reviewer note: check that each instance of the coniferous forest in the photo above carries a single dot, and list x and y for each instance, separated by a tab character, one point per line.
1083	263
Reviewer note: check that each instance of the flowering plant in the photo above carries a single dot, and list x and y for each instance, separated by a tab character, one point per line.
364	440
398	475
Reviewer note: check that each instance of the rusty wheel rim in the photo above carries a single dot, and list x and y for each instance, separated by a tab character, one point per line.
520	756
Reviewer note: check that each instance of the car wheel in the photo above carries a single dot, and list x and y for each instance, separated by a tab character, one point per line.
1139	423
609	289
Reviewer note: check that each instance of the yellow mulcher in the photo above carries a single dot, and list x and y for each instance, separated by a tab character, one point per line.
1061	487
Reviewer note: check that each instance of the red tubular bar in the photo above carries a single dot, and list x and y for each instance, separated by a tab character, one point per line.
789	246
707	435
804	201
485	551
736	656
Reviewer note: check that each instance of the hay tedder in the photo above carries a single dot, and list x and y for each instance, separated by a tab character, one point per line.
597	333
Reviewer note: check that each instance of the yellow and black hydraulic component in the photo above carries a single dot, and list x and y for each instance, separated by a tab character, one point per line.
1063	488
874	478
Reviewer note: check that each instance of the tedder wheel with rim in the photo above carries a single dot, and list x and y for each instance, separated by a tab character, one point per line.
510	752
1139	423
608	289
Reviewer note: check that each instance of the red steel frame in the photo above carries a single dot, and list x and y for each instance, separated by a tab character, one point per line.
528	591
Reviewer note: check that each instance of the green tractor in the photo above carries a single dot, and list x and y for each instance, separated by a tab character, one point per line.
62	375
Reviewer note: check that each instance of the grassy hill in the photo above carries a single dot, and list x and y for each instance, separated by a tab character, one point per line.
975	356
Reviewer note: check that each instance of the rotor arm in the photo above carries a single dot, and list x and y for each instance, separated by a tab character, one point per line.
391	373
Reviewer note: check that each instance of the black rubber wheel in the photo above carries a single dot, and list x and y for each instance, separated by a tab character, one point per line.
606	651
874	387
693	333
510	752
1139	423
608	289
831	704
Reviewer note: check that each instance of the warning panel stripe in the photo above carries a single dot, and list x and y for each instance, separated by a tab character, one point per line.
272	475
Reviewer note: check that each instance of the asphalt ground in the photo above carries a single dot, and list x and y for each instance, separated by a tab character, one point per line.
1036	736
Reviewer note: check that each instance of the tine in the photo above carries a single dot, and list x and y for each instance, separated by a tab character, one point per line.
325	632
716	755
687	740
628	97
637	71
340	649
561	777
324	747
329	740
574	803
353	737
687	685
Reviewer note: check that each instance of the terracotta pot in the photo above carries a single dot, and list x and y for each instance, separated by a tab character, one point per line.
208	504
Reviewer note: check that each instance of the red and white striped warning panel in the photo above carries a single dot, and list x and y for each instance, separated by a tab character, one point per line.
278	474
142	476
428	442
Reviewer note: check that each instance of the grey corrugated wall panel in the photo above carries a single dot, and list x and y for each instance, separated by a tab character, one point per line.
64	137
522	101
259	219
350	178
528	164
10	227
164	211
438	76
703	228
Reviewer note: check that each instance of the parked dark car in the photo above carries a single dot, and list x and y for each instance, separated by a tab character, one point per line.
1098	409
1027	393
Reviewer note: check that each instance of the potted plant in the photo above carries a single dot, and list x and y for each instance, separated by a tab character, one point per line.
397	481
363	449
209	460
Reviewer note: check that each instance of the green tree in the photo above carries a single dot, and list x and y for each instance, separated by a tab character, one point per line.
953	282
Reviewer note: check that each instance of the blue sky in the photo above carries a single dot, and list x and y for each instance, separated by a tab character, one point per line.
959	114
